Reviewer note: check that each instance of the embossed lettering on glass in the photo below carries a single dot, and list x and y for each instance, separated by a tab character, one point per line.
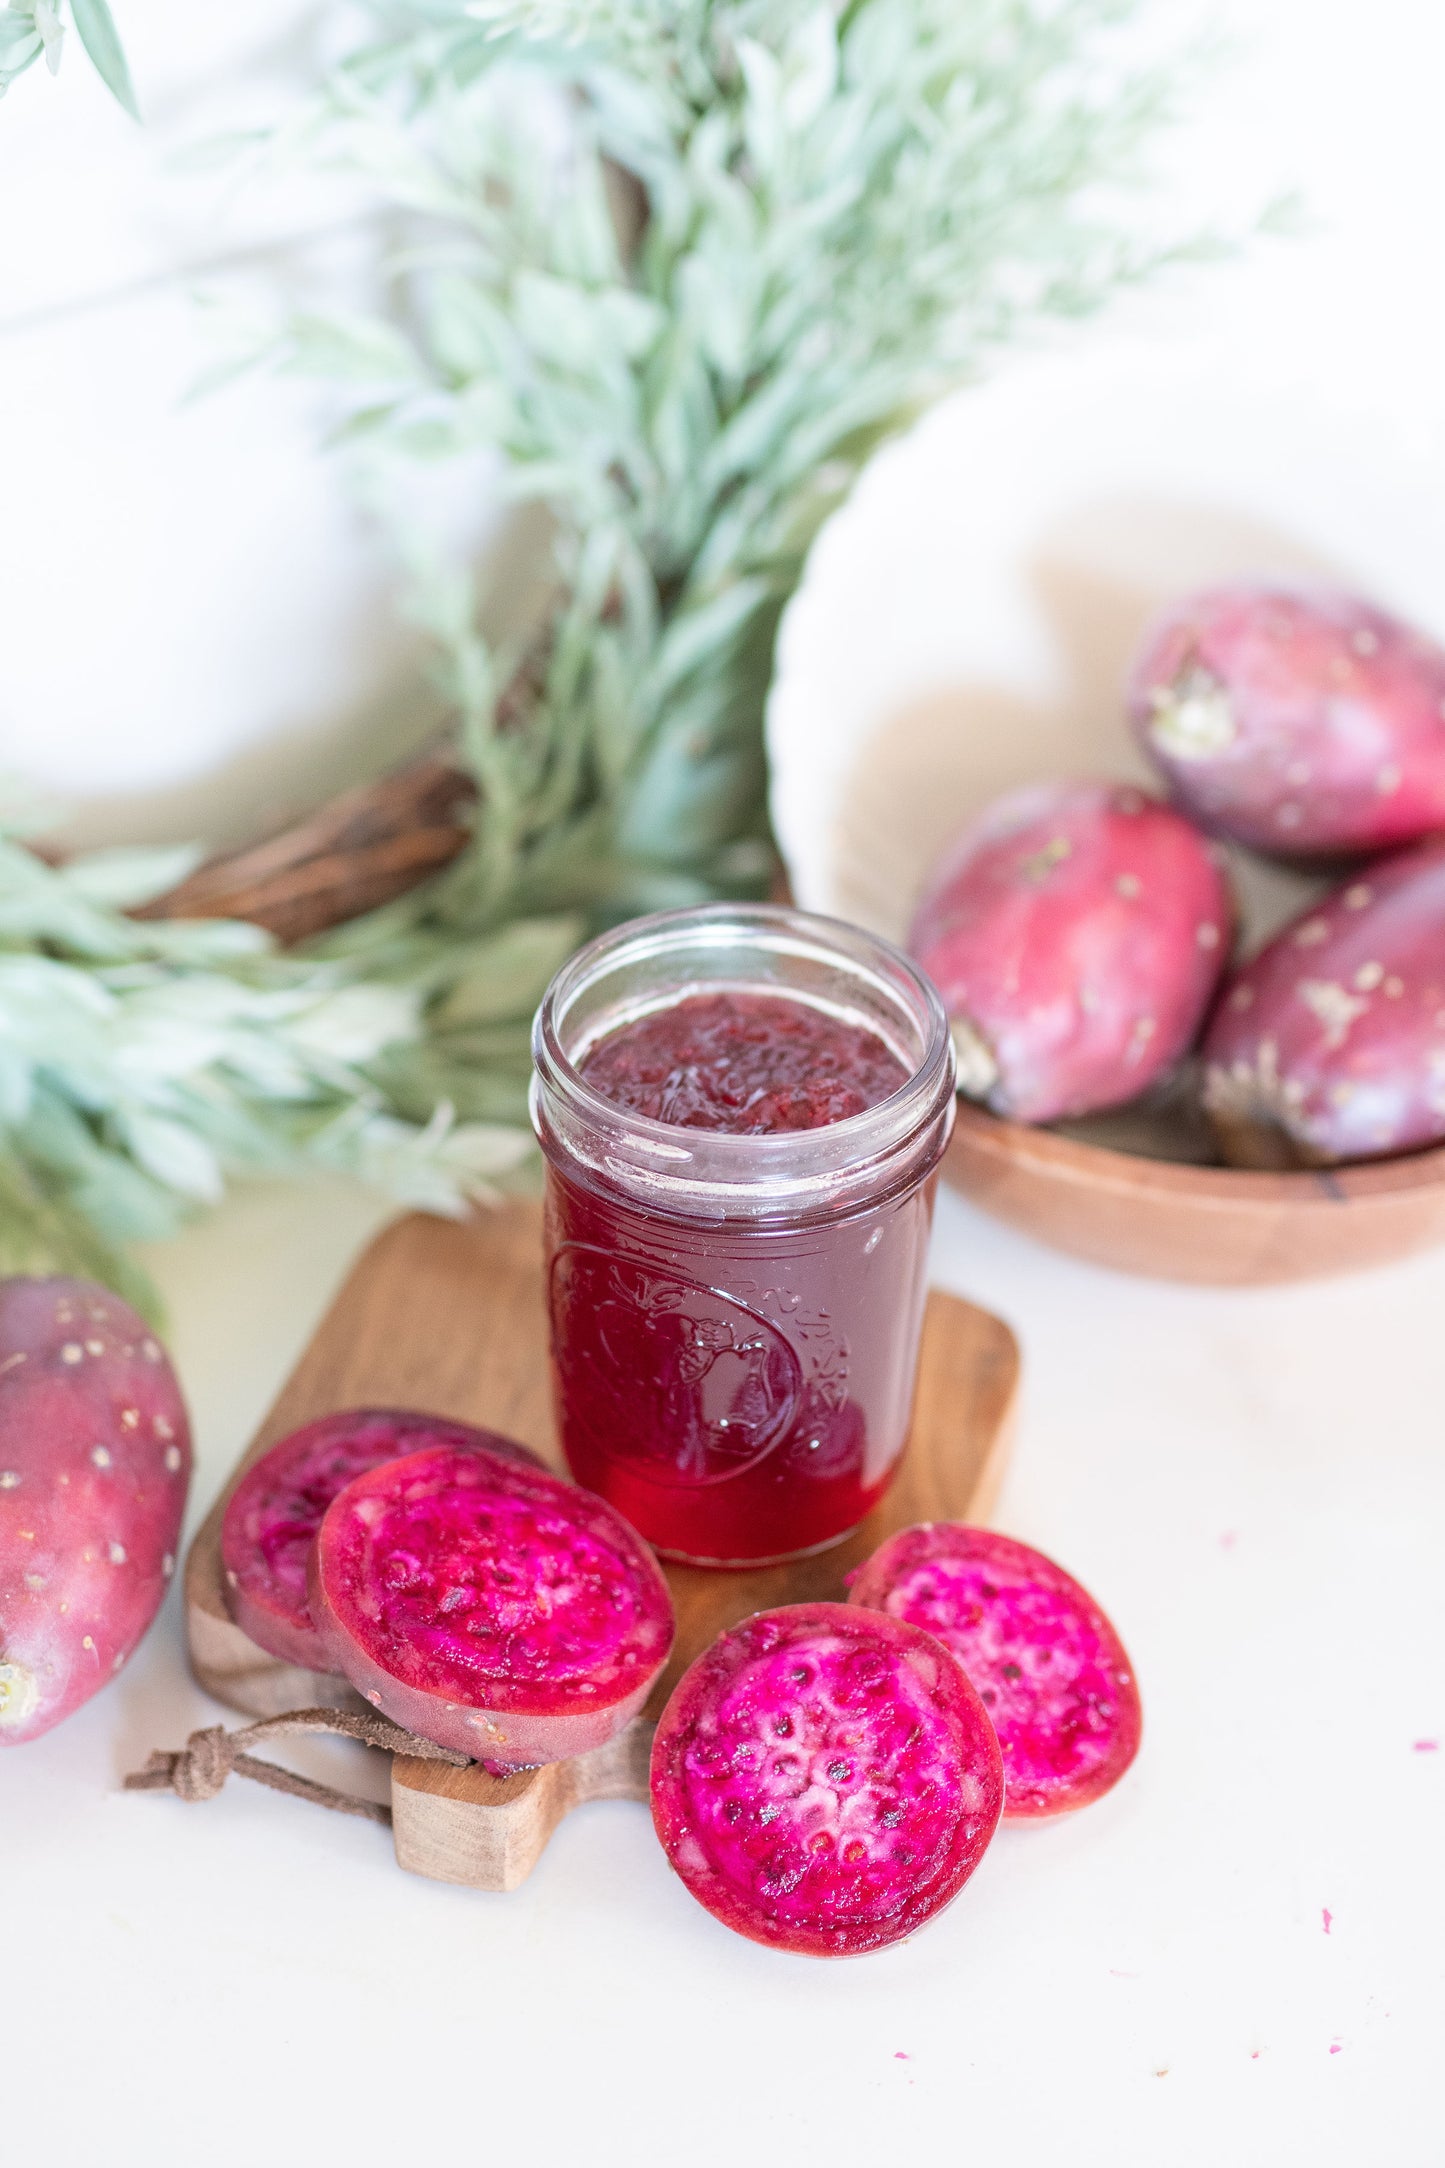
742	1109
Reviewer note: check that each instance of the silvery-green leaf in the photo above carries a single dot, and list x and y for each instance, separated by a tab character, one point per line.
126	1204
356	1022
46	17
97	32
688	799
703	629
147	1050
50	989
510	972
634	322
213	941
20	47
557	320
810	68
174	1154
347	346
120	879
763	113
16	1081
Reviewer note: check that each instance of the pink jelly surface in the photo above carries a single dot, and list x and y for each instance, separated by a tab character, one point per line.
1048	1666
824	1788
277	1508
491	1583
749	1064
739	1393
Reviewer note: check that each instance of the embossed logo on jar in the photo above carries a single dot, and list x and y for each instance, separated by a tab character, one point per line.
674	1379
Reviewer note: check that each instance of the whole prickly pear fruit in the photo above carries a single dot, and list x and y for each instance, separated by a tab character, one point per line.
1309	724
1330	1045
1076	933
95	1458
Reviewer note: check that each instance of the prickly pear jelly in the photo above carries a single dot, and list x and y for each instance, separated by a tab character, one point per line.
742	1109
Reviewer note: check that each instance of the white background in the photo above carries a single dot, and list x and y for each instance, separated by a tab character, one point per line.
1251	1482
192	621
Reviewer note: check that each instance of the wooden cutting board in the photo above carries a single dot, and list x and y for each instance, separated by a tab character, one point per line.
450	1317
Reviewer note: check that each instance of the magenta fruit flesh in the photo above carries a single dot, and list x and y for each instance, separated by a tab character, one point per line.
825	1779
95	1460
1049	1668
276	1509
1076	933
489	1606
1330	1045
1307	723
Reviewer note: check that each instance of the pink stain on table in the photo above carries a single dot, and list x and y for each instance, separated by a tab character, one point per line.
1228	1540
1327	1916
1427	1746
901	2055
1336	2047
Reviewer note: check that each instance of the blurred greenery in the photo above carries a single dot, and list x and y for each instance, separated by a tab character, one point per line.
680	266
683	264
35	29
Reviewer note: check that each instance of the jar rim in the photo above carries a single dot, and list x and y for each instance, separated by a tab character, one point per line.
779	1171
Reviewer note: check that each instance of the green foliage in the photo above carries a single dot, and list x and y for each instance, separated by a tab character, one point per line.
142	1062
30	28
680	265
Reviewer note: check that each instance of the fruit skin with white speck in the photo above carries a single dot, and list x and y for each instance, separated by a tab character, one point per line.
825	1779
1076	933
1047	1663
1330	1045
1306	723
95	1462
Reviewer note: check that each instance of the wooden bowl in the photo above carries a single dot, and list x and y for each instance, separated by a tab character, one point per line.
1218	1226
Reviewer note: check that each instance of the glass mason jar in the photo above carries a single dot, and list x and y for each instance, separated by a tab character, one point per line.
735	1319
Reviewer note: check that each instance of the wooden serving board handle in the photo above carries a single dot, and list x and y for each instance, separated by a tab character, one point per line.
460	1825
450	1317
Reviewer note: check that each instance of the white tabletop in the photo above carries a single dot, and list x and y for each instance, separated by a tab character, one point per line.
1236	1955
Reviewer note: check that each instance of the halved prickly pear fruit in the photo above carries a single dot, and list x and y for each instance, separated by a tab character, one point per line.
95	1460
489	1606
825	1779
277	1508
1330	1045
1306	723
1048	1666
1076	933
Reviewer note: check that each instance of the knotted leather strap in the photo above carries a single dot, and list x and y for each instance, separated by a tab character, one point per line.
200	1768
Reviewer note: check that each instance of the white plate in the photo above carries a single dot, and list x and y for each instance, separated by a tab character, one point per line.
966	621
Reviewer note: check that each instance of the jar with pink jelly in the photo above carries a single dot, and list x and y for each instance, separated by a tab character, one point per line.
743	1109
